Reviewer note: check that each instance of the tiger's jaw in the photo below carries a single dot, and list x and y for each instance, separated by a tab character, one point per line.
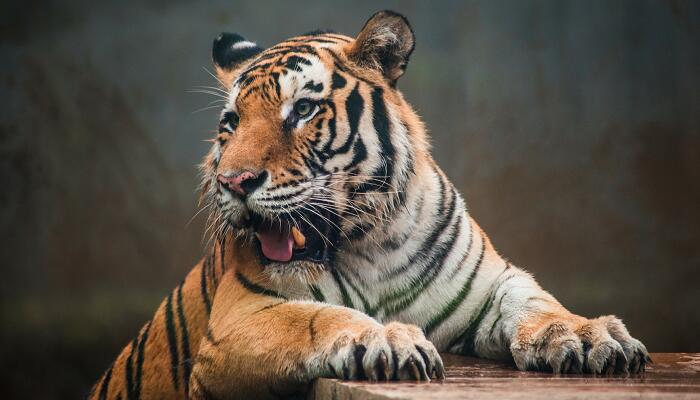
307	243
280	240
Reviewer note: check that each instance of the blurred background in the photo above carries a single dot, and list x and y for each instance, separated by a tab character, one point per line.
571	127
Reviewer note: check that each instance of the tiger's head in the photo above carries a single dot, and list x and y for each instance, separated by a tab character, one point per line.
315	145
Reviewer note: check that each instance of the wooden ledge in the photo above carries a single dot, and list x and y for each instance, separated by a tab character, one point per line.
671	376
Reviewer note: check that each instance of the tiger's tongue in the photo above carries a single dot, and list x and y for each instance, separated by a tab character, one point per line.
276	244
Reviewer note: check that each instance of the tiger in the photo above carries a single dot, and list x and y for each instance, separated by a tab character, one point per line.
341	249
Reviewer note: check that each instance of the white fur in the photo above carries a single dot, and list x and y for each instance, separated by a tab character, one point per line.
243	45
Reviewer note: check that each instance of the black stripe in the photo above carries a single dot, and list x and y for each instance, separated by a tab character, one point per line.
332	133
338	82
399	200
339	37
365	304
211	265
139	362
321	41
493	326
294	62
338	63
457	301
467	337
249	75
264	92
246	81
395	243
358	231
432	269
409	166
483	249
104	385
205	295
500	300
354	107
256	288
468	251
129	371
430	242
316	292
276	79
275	51
270	306
443	192
314	167
382	127
283	196
314	87
468	344
408	295
295	172
359	151
172	341
347	301
222	252
185	340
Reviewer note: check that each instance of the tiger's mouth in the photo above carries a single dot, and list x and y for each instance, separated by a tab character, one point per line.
279	240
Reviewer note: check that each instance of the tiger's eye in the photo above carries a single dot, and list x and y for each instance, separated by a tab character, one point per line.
303	108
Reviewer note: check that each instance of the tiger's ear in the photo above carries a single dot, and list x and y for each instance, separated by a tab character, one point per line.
384	43
229	51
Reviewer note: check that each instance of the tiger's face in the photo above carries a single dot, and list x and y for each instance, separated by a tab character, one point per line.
314	140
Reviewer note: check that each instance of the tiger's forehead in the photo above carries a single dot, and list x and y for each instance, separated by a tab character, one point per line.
299	67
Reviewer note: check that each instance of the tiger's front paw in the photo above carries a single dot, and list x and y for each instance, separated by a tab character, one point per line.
395	351
599	346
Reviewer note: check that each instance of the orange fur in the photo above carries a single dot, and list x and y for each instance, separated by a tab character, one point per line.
154	377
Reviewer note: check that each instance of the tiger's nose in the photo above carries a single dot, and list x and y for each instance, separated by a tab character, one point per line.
243	183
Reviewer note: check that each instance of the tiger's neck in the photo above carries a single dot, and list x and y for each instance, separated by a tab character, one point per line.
428	248
431	215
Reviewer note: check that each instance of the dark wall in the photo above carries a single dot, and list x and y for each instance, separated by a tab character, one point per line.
571	127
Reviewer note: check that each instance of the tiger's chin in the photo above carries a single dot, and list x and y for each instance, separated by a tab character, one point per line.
305	272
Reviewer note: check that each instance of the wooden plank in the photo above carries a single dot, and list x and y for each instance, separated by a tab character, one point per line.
671	376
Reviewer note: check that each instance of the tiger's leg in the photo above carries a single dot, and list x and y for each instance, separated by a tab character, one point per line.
156	364
259	345
522	319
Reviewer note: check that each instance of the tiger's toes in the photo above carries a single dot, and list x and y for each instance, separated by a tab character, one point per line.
604	357
609	347
394	352
342	359
415	358
596	346
374	354
553	348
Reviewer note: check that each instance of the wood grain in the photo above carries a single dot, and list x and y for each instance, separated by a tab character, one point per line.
671	376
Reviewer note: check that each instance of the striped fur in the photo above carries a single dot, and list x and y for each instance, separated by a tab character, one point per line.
407	251
158	362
